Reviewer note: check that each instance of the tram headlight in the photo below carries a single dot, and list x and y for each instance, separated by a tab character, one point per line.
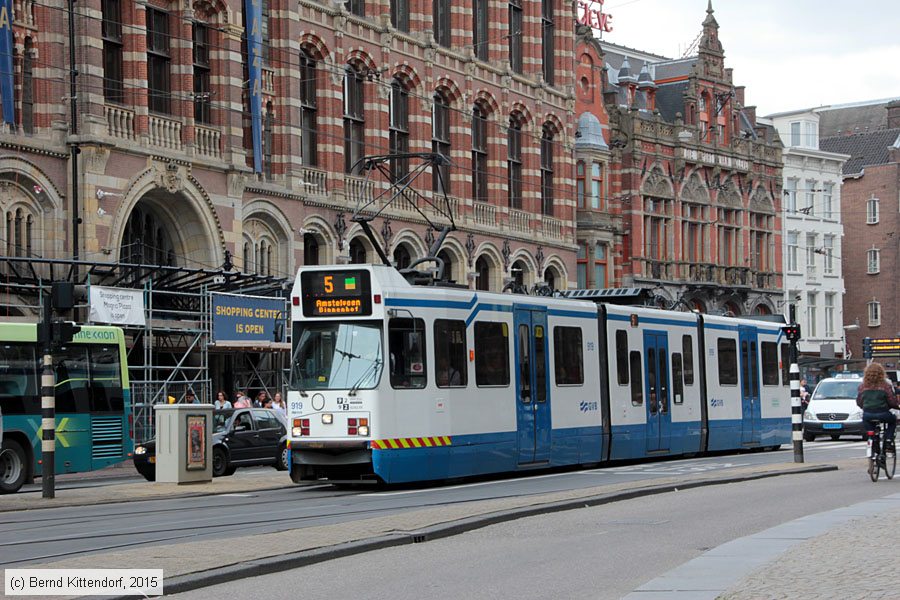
327	418
363	430
296	431
140	450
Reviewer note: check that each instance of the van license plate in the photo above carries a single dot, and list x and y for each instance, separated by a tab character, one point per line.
833	426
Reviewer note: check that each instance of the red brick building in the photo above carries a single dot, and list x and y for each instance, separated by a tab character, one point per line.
166	175
870	133
690	186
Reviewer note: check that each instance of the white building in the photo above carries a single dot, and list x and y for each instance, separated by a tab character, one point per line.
813	279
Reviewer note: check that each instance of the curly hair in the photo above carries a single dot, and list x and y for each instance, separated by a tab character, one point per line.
874	376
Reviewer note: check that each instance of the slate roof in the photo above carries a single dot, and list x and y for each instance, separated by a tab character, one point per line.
852	119
670	100
865	149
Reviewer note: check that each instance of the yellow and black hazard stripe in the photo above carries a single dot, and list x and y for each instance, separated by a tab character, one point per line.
400	443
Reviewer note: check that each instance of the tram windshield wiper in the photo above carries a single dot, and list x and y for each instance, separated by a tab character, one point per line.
355	387
346	354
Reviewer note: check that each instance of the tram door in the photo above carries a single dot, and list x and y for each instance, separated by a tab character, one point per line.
659	417
750	410
532	386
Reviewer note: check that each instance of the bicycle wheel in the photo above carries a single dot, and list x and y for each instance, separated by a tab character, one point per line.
890	464
873	468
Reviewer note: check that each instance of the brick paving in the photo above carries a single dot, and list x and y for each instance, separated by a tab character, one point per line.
837	565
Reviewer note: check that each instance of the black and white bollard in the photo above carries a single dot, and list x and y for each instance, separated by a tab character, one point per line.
796	414
48	428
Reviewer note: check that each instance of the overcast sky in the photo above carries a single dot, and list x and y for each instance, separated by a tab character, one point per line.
790	54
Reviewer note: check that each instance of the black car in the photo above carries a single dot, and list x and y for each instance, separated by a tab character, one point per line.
243	437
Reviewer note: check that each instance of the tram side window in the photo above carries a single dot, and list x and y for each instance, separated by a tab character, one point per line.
687	346
491	354
622	356
450	369
406	339
19	393
786	365
728	371
72	380
568	356
637	388
769	363
540	364
106	383
677	379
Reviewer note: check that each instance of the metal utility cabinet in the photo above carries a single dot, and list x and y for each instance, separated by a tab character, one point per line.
184	443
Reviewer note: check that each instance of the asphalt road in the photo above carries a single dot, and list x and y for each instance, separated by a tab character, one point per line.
43	534
591	553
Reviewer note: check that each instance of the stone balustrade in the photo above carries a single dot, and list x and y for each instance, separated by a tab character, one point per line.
519	220
315	182
207	141
485	214
165	133
119	122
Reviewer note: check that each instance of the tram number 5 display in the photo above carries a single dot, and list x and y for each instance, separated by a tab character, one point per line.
336	293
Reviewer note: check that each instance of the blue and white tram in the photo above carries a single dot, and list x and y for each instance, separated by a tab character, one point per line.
397	383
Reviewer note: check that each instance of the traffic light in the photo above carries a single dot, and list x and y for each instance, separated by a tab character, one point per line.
791	332
64	331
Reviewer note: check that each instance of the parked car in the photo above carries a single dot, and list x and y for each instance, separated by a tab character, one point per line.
244	437
833	410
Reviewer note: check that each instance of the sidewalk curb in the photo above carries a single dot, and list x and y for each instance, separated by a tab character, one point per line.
304	558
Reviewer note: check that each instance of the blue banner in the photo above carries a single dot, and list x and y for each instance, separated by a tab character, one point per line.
247	318
6	62
253	8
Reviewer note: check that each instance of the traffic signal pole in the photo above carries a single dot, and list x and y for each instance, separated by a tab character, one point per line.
792	333
48	403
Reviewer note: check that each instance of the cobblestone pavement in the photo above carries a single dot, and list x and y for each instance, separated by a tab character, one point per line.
837	565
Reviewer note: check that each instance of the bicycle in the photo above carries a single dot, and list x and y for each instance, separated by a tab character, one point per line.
880	456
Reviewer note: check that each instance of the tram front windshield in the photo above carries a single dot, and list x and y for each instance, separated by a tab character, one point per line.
336	356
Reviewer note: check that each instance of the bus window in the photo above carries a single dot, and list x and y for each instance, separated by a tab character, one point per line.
18	380
622	356
106	383
567	356
491	353
687	347
450	369
637	388
406	340
72	377
769	363
728	370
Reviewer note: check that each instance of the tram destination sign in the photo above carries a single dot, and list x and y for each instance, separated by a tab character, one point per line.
338	293
881	347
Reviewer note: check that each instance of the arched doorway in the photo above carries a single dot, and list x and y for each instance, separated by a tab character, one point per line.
147	239
402	257
357	252
448	265
483	274
518	274
550	277
732	308
310	249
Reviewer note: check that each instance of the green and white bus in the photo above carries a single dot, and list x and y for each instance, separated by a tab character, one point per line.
93	403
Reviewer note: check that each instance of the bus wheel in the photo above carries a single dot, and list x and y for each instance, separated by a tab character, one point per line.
12	467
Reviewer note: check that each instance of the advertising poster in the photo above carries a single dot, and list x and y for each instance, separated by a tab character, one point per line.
196	446
247	318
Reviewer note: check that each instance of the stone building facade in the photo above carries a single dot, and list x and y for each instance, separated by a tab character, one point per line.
693	190
166	166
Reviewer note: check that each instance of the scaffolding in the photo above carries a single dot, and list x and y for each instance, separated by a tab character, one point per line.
173	351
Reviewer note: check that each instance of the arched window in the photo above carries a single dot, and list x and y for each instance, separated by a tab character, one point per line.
547	170
308	119
514	161
483	271
479	154
518	273
310	249
448	264
550	278
20	221
440	142
358	253
29	235
10	246
354	118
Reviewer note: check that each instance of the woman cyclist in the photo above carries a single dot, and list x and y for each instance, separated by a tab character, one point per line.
876	397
